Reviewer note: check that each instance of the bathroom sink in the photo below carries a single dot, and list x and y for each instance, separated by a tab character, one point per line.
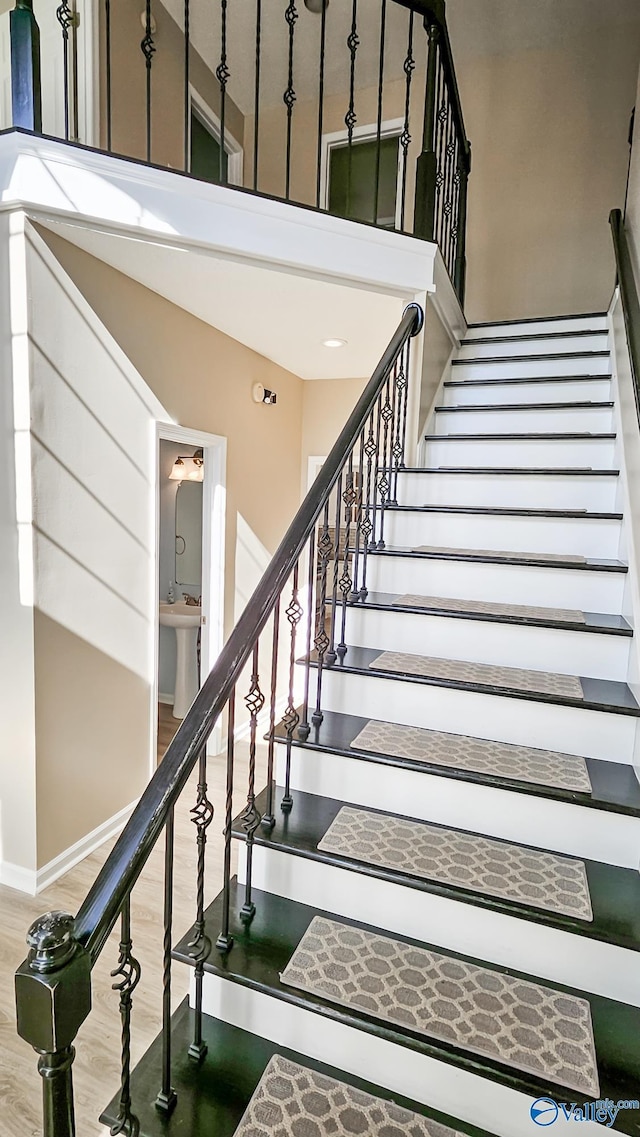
180	615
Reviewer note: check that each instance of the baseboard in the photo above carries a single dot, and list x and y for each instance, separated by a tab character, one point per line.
33	881
166	699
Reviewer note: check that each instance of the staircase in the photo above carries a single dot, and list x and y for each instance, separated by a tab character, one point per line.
447	921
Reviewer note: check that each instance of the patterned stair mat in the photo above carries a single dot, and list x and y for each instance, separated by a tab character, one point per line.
501	553
293	1101
526	1026
460	752
487	674
561	615
481	864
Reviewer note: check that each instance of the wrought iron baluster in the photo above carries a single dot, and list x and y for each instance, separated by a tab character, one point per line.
223	75
346	584
127	976
331	655
406	356
224	941
291	718
166	1099
254	702
373	544
268	819
455	207
384	475
443	111
304	728
405	138
256	104
107	45
351	118
187	90
376	181
447	196
321	639
367	509
148	48
65	18
200	945
461	262
289	97
400	384
358	487
323	37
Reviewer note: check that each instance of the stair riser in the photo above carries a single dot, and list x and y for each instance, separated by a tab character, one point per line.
558	345
549	726
513	816
466	1095
514	369
540	327
519	492
579	391
598	454
508	645
522	421
506	940
595	537
510	584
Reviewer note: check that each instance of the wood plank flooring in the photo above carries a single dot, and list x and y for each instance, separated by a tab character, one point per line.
97	1064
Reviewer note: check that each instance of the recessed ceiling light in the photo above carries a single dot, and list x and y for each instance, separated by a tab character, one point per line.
334	343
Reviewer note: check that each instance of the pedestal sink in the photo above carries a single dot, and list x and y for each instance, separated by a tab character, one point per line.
185	618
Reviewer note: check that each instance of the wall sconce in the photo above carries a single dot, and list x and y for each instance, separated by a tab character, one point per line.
188	468
260	394
316	5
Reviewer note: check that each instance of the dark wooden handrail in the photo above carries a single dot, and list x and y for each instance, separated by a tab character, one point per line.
628	296
98	913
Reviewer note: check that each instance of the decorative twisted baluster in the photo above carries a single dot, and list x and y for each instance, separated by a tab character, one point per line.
376	181
254	702
349	497
323	40
289	97
351	117
357	506
166	1097
223	75
291	718
256	103
66	19
224	941
107	49
397	452
187	88
200	945
321	639
148	48
268	818
405	138
367	508
384	475
304	729
127	976
331	654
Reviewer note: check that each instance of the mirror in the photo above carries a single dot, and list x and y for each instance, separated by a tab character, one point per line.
189	535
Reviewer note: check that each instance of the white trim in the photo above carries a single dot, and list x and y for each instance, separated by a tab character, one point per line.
164	698
211	122
213	547
367	132
446	303
34	881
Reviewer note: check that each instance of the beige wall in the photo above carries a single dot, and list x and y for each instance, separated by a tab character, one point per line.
326	406
549	141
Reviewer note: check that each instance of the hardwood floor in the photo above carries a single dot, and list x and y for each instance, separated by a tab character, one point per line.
97	1064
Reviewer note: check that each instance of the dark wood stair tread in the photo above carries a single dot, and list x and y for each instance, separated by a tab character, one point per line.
591	564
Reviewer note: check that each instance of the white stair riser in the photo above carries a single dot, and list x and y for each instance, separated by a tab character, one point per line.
596	453
559	826
508	941
511	584
520	391
549	726
507	645
405	1072
593	537
514	369
557	420
523	491
557	345
539	327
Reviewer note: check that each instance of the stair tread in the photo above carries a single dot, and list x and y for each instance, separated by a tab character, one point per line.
524	380
538	336
537	356
614	891
517	471
539	319
506	511
511	436
488	556
212	1095
614	786
472	408
262	952
536	616
605	695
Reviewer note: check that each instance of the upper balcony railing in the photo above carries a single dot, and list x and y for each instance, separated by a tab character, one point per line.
348	106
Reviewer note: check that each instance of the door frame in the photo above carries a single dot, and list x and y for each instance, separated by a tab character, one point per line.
367	132
211	121
214	447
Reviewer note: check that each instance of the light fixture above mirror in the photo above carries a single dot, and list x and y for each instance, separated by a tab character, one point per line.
188	468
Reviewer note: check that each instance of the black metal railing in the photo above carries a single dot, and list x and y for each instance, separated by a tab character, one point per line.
628	297
353	109
299	607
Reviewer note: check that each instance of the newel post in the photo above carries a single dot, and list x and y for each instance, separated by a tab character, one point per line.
26	94
427	165
53	998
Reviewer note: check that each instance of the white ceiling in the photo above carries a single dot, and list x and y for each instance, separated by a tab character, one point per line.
282	315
